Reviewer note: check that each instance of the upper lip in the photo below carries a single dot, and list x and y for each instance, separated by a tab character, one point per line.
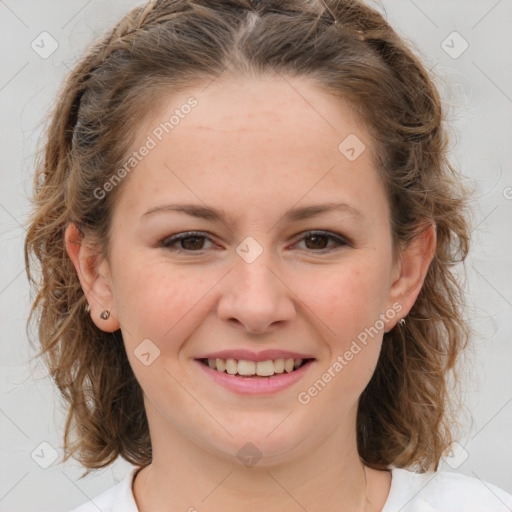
248	355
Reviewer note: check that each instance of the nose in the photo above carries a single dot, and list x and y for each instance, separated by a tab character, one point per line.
255	297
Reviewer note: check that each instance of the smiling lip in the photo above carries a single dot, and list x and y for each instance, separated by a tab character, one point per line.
256	385
265	355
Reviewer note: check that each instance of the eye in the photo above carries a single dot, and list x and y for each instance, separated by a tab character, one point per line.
194	241
190	241
319	240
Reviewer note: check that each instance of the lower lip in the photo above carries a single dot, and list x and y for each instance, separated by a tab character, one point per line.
257	385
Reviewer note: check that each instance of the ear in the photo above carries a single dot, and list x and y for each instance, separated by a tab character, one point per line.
410	271
94	275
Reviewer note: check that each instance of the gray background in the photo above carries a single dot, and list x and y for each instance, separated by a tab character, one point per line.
477	88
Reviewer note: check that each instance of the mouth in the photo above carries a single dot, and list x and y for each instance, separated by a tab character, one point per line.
248	369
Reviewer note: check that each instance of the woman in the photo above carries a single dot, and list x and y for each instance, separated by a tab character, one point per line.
247	226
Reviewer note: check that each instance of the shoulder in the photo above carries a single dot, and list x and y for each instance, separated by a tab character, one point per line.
116	499
444	491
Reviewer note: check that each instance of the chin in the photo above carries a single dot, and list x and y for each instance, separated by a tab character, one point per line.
261	448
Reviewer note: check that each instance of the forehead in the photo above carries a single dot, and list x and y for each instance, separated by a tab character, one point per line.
269	103
250	137
280	110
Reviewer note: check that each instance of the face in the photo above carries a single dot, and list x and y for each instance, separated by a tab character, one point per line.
256	269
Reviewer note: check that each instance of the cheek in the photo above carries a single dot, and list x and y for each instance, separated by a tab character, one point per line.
159	302
347	303
165	306
347	299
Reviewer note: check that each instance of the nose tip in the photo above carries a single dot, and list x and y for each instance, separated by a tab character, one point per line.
254	298
253	325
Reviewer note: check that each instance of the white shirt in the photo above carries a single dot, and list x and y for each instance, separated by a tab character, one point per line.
440	491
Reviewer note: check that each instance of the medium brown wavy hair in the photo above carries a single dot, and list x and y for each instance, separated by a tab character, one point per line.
406	415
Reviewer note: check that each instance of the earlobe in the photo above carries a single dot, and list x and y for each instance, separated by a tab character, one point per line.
414	262
95	283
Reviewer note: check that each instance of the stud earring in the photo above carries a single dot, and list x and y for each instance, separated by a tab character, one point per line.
104	315
400	323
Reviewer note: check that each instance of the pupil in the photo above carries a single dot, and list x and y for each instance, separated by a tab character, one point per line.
317	239
195	244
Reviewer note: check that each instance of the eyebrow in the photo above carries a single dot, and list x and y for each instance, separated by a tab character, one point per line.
292	215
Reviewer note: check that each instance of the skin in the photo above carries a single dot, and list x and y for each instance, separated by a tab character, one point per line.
254	148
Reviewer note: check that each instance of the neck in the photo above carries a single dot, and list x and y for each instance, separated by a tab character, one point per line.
186	476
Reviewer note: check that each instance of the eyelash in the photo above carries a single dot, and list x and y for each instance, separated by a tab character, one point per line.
169	242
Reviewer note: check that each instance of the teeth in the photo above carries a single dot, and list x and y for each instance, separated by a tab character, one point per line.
231	366
247	367
288	365
263	368
260	368
279	366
